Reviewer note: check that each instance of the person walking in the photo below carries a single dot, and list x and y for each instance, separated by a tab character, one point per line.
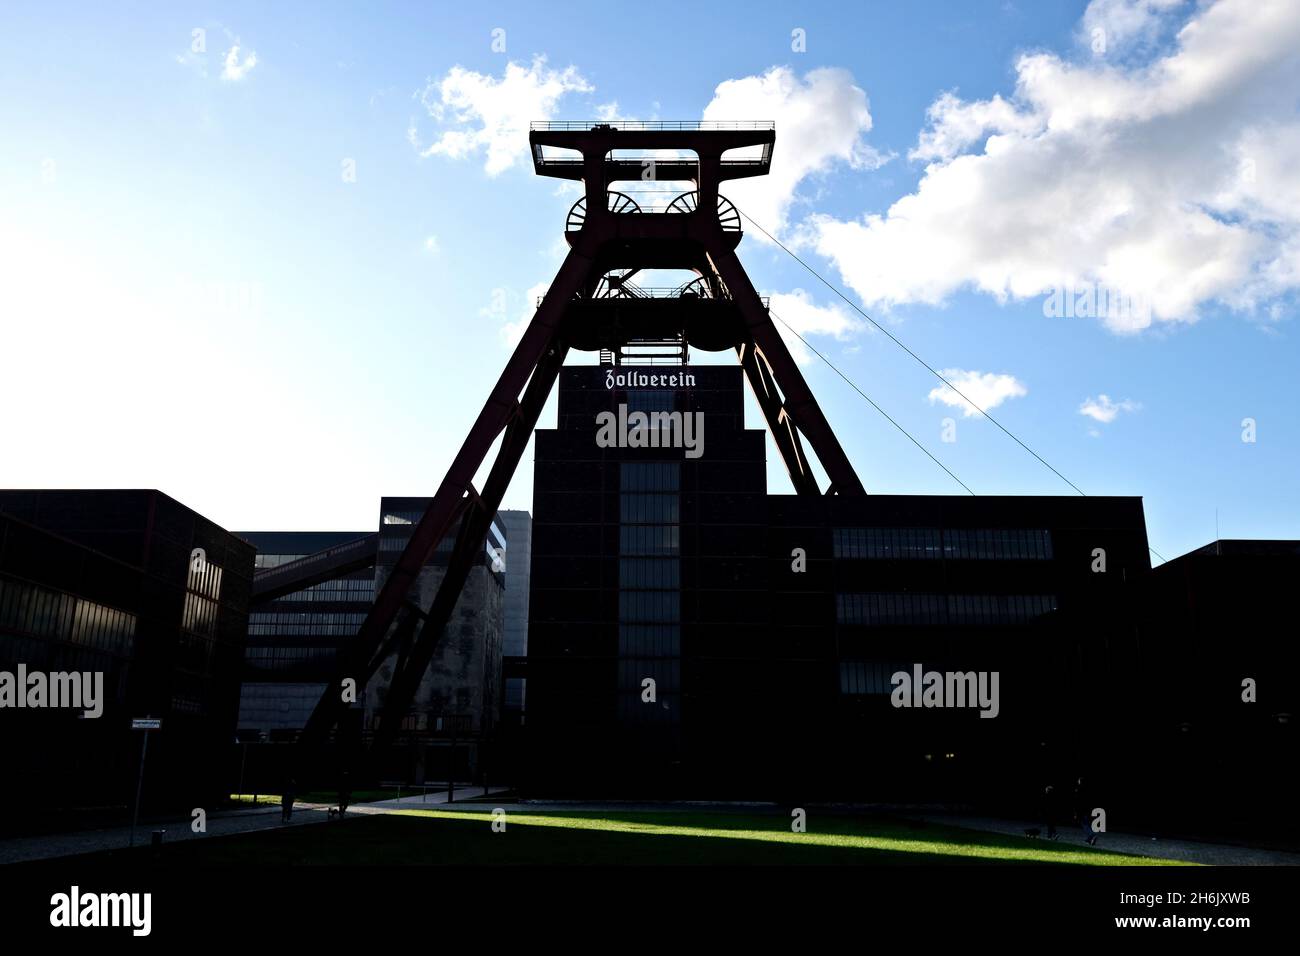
286	800
1048	810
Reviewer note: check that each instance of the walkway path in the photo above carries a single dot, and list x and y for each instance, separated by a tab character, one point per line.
267	817
219	823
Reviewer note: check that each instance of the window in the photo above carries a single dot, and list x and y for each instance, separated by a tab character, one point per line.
650	476
659	400
649	573
648	508
941	609
982	544
649	540
864	677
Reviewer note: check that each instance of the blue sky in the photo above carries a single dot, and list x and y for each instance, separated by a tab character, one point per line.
274	273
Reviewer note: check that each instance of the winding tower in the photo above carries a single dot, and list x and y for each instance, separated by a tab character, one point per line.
594	305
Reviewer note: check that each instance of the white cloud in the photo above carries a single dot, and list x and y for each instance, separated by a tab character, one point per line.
800	313
955	125
234	70
821	120
1170	179
431	245
987	390
1124	24
1103	410
492	115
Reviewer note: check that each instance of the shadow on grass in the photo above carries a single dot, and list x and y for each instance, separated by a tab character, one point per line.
604	838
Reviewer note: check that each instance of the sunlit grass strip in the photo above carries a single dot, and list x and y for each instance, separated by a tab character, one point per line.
1026	853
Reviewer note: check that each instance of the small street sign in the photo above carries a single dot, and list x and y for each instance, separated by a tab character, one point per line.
146	723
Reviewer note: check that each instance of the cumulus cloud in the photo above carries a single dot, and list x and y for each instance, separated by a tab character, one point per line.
234	69
1167	177
478	112
1111	26
987	390
1103	410
821	120
798	311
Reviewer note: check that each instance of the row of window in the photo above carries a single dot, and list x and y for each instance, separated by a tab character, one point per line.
941	609
649	540
204	578
302	630
651	607
1018	544
649	640
667	674
45	613
303	624
40	653
496	534
644	400
863	677
634	710
649	599
660	573
199	615
650	476
496	555
263	561
640	508
402	517
396	541
344	589
305	617
285	658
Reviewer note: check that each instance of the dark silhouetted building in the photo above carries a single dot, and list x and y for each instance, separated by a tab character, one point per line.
771	625
106	581
1220	689
295	636
519	534
293	640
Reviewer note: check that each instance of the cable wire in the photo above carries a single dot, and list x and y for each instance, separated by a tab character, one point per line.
923	362
893	338
869	399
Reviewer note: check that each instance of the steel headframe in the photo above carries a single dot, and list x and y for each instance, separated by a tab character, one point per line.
608	240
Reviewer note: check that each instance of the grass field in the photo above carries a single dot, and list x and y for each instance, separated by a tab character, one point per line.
442	837
332	796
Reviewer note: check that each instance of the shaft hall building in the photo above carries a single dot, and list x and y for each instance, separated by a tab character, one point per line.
106	581
771	625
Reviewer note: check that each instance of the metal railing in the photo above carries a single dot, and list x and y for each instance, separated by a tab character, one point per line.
652	292
644	125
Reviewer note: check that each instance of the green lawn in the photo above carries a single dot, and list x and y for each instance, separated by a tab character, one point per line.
426	837
332	796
